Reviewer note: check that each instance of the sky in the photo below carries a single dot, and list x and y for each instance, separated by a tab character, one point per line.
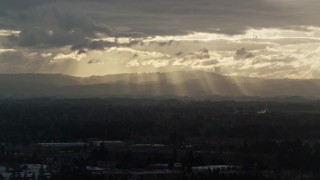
256	38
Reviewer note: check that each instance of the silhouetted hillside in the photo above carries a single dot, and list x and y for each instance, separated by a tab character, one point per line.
192	83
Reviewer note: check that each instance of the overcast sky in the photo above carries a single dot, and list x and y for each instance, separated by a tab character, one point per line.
258	38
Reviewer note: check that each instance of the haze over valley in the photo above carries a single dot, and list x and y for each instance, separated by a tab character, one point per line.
177	84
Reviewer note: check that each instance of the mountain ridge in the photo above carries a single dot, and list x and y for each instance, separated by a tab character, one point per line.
179	83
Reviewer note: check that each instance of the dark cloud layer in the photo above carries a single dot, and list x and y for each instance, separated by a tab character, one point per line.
48	28
54	23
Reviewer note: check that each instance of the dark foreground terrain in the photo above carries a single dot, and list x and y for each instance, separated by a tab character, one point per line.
158	139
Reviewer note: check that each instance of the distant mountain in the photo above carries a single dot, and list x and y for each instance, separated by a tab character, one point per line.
190	83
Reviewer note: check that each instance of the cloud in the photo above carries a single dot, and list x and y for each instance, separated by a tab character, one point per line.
179	53
102	44
133	63
156	63
50	28
209	62
198	55
8	32
95	61
72	56
162	43
243	54
269	61
6	50
92	45
279	38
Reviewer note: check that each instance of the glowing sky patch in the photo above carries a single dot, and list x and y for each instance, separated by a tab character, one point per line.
269	53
